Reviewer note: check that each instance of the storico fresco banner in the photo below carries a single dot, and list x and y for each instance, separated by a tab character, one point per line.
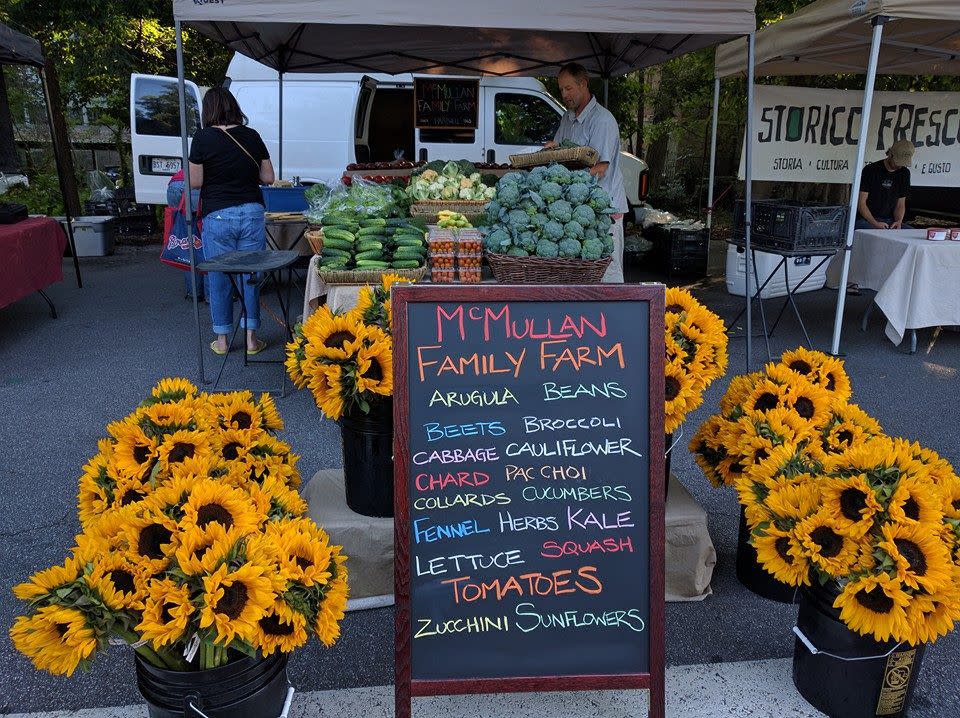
810	135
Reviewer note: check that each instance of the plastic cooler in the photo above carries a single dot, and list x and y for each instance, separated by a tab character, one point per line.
797	269
284	199
93	235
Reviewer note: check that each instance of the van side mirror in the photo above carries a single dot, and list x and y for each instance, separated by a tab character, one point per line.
423	154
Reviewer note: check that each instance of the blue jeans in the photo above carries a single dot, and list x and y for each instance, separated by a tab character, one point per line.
228	230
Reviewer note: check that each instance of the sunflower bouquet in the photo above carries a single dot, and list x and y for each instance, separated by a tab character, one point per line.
831	501
696	343
195	547
346	359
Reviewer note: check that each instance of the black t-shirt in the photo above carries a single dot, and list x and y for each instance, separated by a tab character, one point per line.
884	188
230	178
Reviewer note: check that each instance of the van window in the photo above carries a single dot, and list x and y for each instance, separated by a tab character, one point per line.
363	104
461	137
158	108
523	119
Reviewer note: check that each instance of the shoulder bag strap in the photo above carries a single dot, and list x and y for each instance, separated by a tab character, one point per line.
242	148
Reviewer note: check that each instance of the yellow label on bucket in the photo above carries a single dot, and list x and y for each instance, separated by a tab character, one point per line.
896	681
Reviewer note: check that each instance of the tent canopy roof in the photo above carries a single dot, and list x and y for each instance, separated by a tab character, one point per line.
921	37
463	37
18	49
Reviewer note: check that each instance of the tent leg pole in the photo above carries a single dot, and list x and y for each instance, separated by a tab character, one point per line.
280	124
188	204
606	92
748	196
713	150
878	23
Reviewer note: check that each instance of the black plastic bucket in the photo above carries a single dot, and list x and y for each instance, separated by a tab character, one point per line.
876	679
668	447
368	460
244	688
752	575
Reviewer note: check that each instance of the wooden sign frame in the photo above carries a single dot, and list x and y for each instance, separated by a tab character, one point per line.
406	688
462	80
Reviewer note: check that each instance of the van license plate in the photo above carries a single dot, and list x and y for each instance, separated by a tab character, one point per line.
165	165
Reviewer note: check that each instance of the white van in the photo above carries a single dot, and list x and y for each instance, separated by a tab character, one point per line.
332	120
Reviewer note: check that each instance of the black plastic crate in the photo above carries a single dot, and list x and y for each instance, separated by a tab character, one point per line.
791	226
678	251
136	225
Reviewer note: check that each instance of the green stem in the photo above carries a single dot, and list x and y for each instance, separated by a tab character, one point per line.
174	659
204	656
145	651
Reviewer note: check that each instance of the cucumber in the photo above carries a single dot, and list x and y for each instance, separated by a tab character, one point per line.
414	257
366	246
405	264
409	235
363	231
337	243
397	221
373	222
339	234
372	264
333	267
370	254
334	218
409	240
334	252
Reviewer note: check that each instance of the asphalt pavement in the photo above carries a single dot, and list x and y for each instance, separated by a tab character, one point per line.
63	380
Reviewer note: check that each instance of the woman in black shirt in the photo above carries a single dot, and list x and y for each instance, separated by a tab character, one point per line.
229	162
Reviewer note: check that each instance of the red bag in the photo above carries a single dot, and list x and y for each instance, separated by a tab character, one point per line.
176	247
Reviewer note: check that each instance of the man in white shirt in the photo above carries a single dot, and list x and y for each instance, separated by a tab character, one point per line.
587	123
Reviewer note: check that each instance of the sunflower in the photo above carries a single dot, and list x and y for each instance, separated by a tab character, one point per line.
92	499
848	425
803	361
916	501
202	550
852	503
740	388
134	452
708	449
327	625
327	388
765	396
833	378
151	538
163	418
182	445
174	389
794	500
120	582
129	491
233	601
305	560
235	444
950	492
781	555
874	605
375	368
55	639
331	336
831	551
269	416
365	303
388	280
809	401
284	501
296	354
213	502
280	629
678	301
922	560
933	615
166	613
238	411
45	582
681	395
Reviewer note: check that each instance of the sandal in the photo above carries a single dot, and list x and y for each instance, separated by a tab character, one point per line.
217	350
261	345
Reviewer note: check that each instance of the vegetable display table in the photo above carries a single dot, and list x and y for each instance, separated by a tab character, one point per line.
30	258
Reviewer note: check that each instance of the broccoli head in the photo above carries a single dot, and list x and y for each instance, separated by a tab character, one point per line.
547	248
592	249
584	214
508	194
573	230
517	252
551	191
538	221
516	178
604	222
600	200
607	244
569	248
528	240
517	219
560	210
493	211
578	194
537	200
497	241
559	174
582	177
590	233
553	230
536	177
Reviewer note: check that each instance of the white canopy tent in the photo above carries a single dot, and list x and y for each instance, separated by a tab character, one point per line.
890	37
458	37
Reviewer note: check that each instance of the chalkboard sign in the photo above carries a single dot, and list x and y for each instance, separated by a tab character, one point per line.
529	497
444	104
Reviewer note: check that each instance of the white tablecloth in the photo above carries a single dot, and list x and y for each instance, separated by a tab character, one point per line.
917	281
339	297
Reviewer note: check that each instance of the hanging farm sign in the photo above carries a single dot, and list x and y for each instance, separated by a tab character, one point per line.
810	135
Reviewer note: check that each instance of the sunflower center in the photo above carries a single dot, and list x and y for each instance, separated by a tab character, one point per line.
165	615
852	503
800	366
911	509
766	401
782	545
674	309
214	512
231	451
829	541
913	554
804	407
62	628
956	505
338	339
831	382
180	451
760	455
736	468
151	539
375	372
130	496
671	388
242	419
233	601
875	600
273	626
304	563
714	456
845	437
141	453
122	580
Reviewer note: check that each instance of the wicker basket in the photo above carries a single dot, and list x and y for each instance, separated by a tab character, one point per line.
430	209
315	237
545	270
570	156
369	276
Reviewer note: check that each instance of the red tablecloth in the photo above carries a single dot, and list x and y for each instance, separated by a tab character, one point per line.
31	252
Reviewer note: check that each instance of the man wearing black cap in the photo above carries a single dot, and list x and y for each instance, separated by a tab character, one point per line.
884	186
